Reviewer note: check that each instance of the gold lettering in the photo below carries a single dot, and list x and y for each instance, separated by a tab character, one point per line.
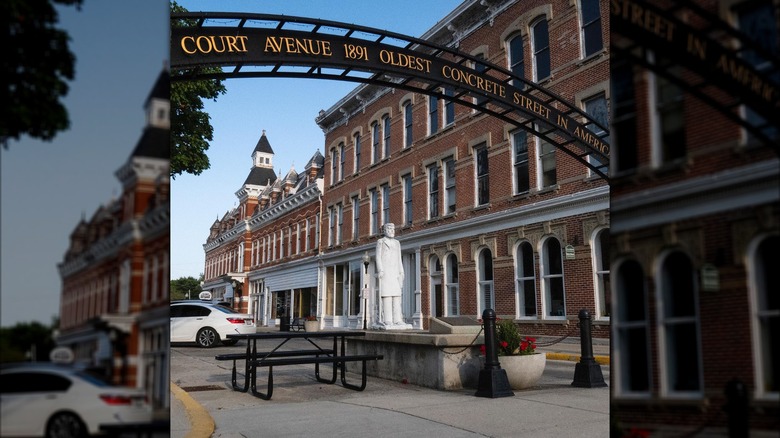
697	47
183	47
203	38
273	44
563	122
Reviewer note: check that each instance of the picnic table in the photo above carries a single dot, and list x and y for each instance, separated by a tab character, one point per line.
336	355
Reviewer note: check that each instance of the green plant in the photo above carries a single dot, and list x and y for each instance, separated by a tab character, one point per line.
509	341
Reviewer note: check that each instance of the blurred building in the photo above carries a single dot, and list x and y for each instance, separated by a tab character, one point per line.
114	299
488	215
695	217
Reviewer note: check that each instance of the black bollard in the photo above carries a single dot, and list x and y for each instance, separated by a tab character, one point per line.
587	372
493	382
738	408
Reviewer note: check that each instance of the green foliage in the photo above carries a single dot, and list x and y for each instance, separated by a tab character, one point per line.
181	286
16	342
191	129
37	62
509	341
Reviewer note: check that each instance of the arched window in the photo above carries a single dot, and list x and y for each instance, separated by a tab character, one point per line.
552	279
386	139
540	39
485	283
591	27
451	283
679	324
631	330
437	300
525	281
600	248
375	147
765	312
516	61
408	137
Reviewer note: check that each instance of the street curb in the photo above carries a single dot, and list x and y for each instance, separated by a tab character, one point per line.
602	360
201	423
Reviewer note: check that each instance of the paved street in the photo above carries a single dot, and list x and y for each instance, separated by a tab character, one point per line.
302	406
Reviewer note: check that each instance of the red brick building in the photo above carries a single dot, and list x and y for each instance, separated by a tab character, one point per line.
487	215
114	299
261	255
695	218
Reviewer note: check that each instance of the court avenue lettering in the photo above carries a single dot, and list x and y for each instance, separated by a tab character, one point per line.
270	46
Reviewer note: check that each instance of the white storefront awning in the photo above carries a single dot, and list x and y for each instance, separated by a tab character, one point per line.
296	278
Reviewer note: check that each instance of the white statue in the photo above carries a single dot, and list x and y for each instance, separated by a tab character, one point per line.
390	271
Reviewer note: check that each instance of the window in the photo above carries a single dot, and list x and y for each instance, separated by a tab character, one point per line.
331	225
449	108
765	312
520	162
591	27
386	128
449	186
385	204
340	224
375	150
433	115
437	299
333	166
757	20
546	173
516	61
600	248
552	279
596	108
342	159
482	174
357	153
670	141
374	211
525	281
624	135
355	218
408	137
485	282
433	191
679	326
631	328
541	47
407	181
451	284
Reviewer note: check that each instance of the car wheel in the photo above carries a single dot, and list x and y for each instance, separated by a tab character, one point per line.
65	425
207	337
229	342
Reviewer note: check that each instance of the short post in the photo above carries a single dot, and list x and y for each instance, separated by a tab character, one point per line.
587	372
493	382
738	408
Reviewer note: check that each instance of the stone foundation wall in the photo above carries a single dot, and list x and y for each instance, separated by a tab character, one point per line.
440	361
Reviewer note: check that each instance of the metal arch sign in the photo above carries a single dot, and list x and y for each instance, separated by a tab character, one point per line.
200	46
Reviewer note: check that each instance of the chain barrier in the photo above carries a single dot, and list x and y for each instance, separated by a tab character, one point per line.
471	344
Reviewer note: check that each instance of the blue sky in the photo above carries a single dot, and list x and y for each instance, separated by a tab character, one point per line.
46	187
284	108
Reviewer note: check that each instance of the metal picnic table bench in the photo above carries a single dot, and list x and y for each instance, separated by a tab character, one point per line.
336	356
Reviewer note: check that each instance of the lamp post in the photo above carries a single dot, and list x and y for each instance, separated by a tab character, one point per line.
366	262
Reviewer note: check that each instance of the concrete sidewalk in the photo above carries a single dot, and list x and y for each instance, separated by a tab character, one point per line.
301	406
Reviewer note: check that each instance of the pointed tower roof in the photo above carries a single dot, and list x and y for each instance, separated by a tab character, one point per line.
162	88
263	145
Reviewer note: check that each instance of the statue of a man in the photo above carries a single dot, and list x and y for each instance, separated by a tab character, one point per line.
390	271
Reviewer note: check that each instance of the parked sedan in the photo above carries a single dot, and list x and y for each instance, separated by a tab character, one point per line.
45	399
207	324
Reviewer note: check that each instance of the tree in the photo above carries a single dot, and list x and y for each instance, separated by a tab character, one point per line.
26	341
191	130
36	64
181	286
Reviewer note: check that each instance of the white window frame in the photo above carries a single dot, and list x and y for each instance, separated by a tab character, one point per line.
599	274
451	288
547	278
521	278
484	284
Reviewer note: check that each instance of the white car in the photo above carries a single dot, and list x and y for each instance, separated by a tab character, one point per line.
207	324
51	400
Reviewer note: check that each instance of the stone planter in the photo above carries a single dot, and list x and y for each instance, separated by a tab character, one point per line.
523	371
311	326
